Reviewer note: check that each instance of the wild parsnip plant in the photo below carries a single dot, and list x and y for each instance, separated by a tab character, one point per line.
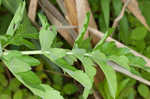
20	63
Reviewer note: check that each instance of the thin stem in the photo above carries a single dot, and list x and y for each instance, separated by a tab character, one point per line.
37	52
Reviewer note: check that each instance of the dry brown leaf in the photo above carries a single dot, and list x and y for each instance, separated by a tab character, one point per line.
82	7
32	10
71	13
134	9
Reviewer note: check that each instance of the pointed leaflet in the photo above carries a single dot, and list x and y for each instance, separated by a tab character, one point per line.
28	78
16	19
46	35
83	31
110	74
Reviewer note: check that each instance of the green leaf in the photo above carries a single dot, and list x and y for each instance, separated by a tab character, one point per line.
11	5
81	77
18	41
122	85
70	59
17	65
105	4
3	81
18	95
143	90
110	74
16	19
83	31
101	42
29	60
47	37
86	61
62	63
5	96
86	93
14	85
56	53
89	67
69	89
44	21
51	93
28	35
29	78
117	5
0	2
139	33
124	33
121	60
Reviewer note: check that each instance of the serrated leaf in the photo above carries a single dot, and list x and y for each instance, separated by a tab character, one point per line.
109	72
143	90
16	19
121	60
105	4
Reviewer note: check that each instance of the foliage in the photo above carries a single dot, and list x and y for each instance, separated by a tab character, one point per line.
28	69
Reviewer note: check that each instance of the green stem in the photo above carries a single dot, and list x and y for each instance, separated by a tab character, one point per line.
39	52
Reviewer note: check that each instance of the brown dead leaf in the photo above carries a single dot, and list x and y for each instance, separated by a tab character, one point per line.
134	9
71	13
32	10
